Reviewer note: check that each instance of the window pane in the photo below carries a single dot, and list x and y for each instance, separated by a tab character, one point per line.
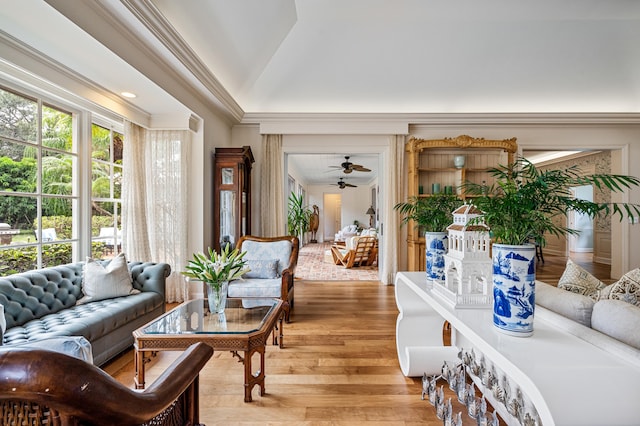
106	232
57	218
118	142
117	182
56	129
19	213
100	143
17	259
100	180
18	117
57	171
56	254
18	167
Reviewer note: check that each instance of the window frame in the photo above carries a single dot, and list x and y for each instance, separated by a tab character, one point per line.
81	197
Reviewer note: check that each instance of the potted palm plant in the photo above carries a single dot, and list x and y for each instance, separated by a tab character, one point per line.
298	216
520	209
432	215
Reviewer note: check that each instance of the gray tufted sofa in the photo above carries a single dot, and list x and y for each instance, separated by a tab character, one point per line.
42	303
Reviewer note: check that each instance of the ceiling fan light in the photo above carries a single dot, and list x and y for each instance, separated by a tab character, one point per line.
347	171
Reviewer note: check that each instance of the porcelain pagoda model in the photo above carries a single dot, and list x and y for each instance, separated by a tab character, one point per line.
467	264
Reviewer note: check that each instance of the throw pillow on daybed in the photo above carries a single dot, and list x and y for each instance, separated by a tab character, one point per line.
264	269
627	288
578	280
105	282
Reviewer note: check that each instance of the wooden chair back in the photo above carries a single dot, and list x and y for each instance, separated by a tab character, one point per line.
31	388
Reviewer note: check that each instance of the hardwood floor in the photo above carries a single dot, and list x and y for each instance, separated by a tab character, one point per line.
338	367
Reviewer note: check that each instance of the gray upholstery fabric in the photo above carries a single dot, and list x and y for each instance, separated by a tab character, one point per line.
42	304
571	305
75	346
618	319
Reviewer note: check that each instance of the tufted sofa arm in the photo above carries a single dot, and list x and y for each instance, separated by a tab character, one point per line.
149	276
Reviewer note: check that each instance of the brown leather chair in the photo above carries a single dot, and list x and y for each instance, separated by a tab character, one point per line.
45	387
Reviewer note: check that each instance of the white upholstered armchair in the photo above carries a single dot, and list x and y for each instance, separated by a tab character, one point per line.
273	263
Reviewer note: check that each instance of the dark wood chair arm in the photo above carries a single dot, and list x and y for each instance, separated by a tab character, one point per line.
82	391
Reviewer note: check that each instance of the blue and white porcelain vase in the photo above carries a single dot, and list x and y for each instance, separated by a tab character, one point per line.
514	285
217	296
436	246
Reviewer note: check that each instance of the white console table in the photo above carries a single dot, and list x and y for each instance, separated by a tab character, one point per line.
568	380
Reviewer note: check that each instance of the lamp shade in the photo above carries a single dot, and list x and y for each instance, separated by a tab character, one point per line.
371	211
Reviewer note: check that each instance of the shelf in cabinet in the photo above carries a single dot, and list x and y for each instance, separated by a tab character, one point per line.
438	169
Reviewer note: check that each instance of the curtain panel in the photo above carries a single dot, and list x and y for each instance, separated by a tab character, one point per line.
155	194
394	188
272	212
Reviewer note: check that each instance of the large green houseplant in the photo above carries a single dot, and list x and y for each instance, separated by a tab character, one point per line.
432	215
298	216
524	205
525	201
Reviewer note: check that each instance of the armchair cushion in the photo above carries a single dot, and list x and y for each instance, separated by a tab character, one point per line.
265	269
259	250
255	291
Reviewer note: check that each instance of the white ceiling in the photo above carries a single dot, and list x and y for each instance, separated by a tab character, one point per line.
360	56
418	55
323	169
374	56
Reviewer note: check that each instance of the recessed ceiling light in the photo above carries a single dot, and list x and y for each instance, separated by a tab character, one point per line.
128	94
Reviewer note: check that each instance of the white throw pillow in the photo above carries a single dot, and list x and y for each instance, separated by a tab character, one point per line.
578	280
100	282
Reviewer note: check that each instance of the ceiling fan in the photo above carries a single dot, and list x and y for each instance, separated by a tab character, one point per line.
348	167
342	184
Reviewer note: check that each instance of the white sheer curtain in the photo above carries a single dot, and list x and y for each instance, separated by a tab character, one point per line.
134	190
394	189
155	207
271	183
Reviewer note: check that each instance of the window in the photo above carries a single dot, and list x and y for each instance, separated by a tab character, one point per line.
106	190
38	200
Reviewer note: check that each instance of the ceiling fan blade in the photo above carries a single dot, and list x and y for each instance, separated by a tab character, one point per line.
359	168
351	186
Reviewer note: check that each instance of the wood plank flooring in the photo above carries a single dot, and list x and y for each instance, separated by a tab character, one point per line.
338	367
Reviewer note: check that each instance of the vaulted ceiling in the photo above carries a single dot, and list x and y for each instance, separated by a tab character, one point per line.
367	56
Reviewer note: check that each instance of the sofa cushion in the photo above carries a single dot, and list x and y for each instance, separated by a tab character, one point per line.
265	269
578	280
627	288
90	320
105	282
574	306
617	319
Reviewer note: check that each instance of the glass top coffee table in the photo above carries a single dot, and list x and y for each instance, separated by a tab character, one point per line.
239	329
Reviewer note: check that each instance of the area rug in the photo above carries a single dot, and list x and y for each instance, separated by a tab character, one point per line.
312	265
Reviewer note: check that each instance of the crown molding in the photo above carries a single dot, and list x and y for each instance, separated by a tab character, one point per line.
400	121
129	29
25	66
151	17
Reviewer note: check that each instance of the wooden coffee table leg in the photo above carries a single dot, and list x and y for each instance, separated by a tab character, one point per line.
251	379
139	368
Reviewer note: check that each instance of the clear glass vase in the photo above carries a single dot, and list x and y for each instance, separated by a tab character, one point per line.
217	295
